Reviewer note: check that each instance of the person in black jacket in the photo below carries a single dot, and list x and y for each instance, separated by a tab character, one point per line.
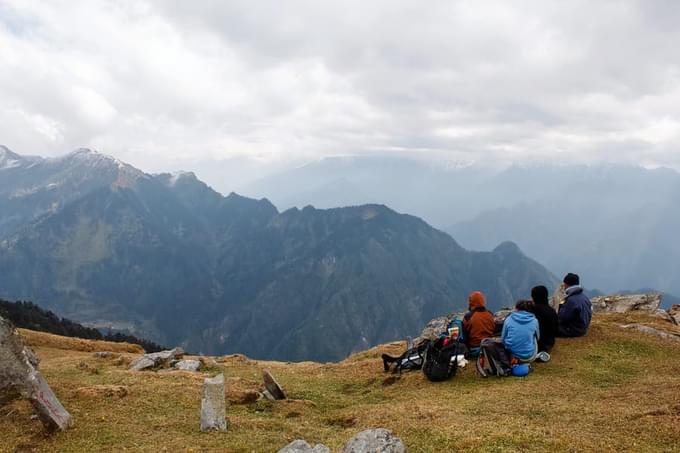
576	312
547	318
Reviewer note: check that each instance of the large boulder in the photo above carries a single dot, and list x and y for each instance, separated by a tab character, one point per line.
301	446
188	365
619	303
378	440
20	378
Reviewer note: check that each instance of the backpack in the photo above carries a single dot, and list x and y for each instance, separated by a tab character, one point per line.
411	359
441	362
494	359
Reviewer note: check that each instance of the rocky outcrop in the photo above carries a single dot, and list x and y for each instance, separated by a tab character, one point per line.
20	378
624	303
378	440
161	359
301	446
213	405
674	313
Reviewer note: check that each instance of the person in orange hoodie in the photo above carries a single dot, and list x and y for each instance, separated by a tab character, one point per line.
478	323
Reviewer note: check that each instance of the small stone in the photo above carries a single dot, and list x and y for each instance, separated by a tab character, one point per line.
188	365
378	440
275	390
213	405
301	446
268	396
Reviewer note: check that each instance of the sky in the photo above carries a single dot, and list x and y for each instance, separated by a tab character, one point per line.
254	85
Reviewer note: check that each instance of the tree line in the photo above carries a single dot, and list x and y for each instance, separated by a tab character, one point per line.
28	315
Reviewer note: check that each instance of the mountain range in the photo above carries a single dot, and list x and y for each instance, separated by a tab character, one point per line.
168	258
616	226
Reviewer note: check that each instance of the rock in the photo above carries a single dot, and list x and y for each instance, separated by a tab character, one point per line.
661	313
674	313
624	303
378	440
268	396
188	365
213	405
653	331
160	359
273	387
557	298
19	377
142	363
301	446
500	316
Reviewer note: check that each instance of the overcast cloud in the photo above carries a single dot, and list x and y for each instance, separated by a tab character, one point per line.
179	84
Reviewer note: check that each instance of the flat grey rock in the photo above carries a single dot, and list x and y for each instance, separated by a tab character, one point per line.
301	446
213	405
653	331
188	365
378	440
142	363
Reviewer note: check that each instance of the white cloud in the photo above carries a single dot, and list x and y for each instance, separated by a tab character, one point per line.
166	83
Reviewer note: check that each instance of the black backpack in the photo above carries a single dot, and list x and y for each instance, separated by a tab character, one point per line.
411	359
494	359
441	362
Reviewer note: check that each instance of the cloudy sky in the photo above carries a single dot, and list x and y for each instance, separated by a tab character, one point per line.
172	84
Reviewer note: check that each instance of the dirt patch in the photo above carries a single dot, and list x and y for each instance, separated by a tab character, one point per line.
102	391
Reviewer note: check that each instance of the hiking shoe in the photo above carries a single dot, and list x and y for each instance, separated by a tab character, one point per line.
543	357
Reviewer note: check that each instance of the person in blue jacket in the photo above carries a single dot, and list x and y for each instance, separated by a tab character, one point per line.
576	311
521	333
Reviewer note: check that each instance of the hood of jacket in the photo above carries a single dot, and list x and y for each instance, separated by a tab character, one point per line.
574	290
522	317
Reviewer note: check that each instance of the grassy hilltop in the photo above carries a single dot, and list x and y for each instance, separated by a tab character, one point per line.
614	390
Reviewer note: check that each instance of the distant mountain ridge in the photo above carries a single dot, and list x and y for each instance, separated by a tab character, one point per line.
615	225
168	258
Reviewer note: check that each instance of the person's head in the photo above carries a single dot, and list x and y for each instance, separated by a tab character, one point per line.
539	294
476	300
571	280
524	305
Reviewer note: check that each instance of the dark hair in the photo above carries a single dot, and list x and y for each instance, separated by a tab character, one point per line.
525	305
539	294
571	279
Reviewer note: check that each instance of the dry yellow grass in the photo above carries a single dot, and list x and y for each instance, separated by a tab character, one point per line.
47	340
614	390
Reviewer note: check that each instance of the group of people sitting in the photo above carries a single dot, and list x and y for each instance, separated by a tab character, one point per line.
529	332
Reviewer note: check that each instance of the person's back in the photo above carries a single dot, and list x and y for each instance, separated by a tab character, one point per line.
576	312
478	324
520	332
547	318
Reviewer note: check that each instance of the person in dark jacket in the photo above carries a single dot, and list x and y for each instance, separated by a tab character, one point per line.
576	312
478	323
520	332
546	316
